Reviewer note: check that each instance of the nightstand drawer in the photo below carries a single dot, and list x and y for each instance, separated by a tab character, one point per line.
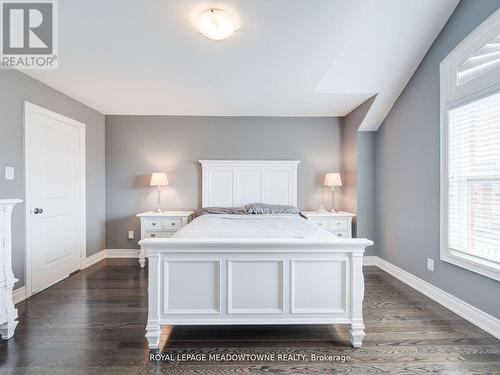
338	224
320	223
154	224
159	234
172	223
341	234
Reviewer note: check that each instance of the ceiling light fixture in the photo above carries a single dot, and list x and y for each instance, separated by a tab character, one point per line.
216	24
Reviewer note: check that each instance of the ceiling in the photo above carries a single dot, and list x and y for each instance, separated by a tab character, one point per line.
289	58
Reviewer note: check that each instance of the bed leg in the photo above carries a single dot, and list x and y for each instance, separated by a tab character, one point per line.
358	291
357	334
153	329
153	332
142	257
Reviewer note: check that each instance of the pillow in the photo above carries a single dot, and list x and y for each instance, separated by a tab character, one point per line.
264	208
216	211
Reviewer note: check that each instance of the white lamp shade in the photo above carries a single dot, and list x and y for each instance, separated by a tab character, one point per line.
159	179
333	179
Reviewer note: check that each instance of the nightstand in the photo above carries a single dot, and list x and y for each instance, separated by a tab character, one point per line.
160	225
338	223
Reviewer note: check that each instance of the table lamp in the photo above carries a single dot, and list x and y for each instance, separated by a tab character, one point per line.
159	179
332	180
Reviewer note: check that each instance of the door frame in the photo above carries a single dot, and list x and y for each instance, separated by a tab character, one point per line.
28	108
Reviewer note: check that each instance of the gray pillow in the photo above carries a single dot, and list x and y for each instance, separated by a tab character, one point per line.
216	211
264	208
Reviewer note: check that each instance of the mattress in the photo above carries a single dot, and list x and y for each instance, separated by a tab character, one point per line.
252	226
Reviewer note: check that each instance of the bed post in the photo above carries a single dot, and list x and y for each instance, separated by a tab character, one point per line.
358	287
153	329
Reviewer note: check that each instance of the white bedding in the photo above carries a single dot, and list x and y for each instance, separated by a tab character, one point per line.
252	226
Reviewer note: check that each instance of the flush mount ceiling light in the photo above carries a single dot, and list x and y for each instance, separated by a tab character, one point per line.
217	24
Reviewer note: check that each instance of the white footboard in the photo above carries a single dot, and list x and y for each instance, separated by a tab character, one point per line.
246	281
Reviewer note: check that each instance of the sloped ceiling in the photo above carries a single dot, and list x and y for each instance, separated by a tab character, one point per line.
289	58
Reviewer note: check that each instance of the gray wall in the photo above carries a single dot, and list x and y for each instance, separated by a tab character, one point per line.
366	204
139	145
407	186
358	173
17	87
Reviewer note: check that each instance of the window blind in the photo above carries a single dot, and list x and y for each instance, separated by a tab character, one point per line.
474	178
485	59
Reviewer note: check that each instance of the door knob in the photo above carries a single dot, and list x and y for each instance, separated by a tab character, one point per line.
37	211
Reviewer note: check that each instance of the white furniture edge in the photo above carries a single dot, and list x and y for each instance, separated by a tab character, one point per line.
463	309
239	166
28	107
9	313
163	251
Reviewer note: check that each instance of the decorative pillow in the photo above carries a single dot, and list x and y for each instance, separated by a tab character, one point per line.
264	208
216	211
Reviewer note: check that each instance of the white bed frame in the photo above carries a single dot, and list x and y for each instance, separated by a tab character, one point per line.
251	280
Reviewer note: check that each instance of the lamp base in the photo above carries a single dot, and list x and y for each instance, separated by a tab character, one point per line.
158	206
333	200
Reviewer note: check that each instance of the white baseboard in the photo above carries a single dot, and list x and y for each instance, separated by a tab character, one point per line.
110	253
122	253
477	317
370	260
93	259
19	295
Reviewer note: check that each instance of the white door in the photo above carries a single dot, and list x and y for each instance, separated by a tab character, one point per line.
55	196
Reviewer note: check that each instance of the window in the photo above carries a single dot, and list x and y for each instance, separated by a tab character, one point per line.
485	59
470	152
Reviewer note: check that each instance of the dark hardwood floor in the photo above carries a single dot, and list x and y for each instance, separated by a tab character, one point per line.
93	323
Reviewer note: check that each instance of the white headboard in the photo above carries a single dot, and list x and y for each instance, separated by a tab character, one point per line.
234	183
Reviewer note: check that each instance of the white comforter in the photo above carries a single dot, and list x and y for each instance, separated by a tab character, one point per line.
252	226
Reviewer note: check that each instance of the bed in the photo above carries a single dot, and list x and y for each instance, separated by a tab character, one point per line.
253	269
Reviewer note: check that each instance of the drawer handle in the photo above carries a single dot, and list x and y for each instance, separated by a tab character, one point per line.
153	224
339	223
153	235
340	234
172	224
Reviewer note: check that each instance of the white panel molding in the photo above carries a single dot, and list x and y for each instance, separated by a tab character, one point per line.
470	313
221	182
345	296
232	310
166	285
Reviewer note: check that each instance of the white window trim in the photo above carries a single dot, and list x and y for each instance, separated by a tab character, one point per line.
451	97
